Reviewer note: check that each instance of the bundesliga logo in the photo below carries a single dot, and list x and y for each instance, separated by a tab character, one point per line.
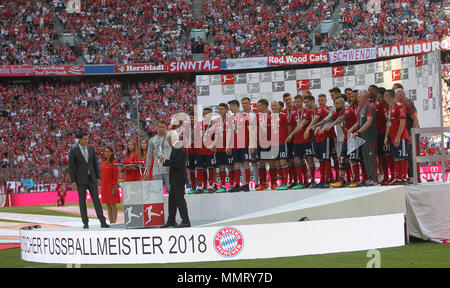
228	242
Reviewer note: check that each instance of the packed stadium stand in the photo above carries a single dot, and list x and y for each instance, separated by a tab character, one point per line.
154	32
161	99
393	22
131	31
256	28
27	34
42	117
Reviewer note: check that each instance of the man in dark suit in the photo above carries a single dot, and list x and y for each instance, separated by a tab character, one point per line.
85	175
177	180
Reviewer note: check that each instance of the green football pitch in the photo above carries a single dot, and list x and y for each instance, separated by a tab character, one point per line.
416	254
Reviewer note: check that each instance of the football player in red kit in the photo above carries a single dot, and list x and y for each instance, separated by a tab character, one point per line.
346	118
383	151
279	133
302	147
223	160
322	141
397	137
264	146
190	151
289	111
205	161
322	101
239	144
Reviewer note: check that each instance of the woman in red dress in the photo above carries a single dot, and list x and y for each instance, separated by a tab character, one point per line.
110	183
131	174
141	157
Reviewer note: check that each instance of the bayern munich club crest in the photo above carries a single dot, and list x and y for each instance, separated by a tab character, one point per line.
228	241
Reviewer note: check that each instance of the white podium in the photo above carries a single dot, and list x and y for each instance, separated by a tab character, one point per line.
143	203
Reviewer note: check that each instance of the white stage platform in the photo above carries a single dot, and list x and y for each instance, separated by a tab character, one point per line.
272	206
242	225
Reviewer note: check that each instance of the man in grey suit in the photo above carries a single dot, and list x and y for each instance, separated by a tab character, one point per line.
158	145
85	175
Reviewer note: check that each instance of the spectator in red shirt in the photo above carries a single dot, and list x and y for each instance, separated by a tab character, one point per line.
61	189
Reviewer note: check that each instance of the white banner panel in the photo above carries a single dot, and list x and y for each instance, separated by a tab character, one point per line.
419	75
197	244
245	63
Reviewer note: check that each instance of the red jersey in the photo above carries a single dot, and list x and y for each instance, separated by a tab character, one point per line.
206	136
289	114
380	116
322	113
332	132
279	123
263	121
241	122
299	116
220	134
62	193
396	112
190	148
349	121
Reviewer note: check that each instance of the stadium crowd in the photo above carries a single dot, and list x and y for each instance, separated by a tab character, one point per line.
131	31
159	100
42	118
109	32
393	22
238	29
27	35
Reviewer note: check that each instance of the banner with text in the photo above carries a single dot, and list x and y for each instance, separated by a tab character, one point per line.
198	244
353	55
16	70
298	59
244	63
195	66
140	68
413	48
59	70
361	54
